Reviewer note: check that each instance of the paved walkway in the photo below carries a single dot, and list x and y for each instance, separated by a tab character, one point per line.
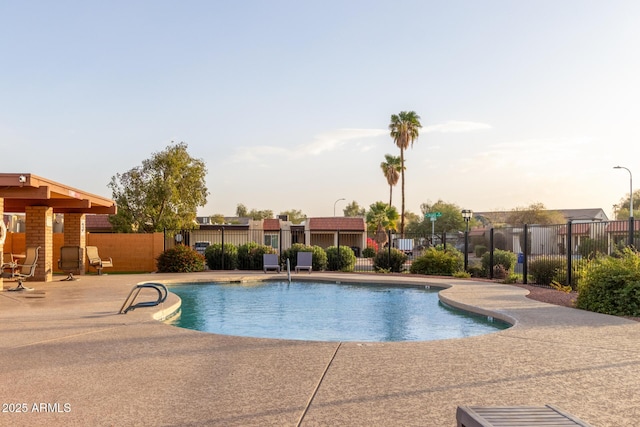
68	359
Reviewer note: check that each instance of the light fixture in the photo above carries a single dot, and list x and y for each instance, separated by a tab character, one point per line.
22	179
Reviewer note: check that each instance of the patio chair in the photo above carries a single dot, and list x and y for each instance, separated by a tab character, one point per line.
70	261
95	261
304	261
270	262
25	270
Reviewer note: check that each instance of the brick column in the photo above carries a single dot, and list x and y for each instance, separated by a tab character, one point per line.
75	234
39	224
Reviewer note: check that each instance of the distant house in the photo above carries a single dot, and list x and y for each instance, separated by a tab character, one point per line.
280	234
98	224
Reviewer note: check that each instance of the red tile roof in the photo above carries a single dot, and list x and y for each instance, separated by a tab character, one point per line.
577	228
337	223
620	226
271	224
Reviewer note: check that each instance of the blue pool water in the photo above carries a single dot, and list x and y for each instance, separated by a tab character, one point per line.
325	312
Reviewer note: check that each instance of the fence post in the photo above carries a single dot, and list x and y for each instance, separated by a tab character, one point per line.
569	252
525	254
444	241
389	247
491	244
222	240
339	255
280	243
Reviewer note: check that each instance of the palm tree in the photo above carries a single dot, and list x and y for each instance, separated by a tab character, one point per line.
381	217
404	129
391	169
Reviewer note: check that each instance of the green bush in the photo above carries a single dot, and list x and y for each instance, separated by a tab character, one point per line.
383	263
214	256
250	255
180	259
590	248
480	250
368	252
506	259
345	260
546	270
442	263
318	257
611	285
475	270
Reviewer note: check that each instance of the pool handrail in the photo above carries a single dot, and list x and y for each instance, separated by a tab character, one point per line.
158	287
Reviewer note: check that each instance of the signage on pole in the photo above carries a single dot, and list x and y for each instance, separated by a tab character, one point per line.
433	215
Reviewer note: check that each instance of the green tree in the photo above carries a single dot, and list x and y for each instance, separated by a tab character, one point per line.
257	215
404	129
295	216
216	219
165	192
622	208
241	211
353	209
391	168
450	220
381	217
535	213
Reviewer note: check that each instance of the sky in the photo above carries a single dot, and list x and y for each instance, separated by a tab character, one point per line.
288	102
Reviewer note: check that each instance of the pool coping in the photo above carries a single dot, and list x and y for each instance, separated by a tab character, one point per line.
70	346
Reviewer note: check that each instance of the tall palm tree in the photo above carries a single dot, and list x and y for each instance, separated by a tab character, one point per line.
404	129
391	168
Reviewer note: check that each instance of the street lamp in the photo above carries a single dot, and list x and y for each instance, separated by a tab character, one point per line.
334	206
631	225
466	214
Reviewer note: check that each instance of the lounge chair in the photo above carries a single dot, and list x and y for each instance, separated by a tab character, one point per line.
548	415
270	262
304	261
70	260
95	261
25	270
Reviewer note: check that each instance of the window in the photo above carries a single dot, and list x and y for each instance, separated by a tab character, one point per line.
271	240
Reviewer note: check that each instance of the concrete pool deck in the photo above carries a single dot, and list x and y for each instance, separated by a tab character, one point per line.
69	359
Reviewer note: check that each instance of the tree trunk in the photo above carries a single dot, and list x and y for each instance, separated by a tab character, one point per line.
402	212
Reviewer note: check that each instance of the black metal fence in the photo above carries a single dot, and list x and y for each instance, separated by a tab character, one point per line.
544	253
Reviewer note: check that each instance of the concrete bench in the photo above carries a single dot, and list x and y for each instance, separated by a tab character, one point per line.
531	416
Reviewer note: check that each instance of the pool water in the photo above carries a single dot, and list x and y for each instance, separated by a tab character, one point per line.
325	312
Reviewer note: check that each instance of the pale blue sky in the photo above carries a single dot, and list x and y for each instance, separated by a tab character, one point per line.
288	102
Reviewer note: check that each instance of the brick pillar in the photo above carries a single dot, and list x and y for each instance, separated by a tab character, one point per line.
39	224
2	245
75	235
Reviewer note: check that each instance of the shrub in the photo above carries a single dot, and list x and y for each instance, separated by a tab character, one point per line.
180	259
546	270
318	257
372	244
480	250
345	260
437	262
214	256
475	270
368	252
250	255
611	285
383	263
504	258
590	248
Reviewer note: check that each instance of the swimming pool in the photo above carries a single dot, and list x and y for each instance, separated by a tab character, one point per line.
316	311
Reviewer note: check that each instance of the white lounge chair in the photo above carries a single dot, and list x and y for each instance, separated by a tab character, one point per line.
95	261
304	261
270	262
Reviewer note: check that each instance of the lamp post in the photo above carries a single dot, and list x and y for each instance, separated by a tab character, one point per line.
334	206
631	225
466	214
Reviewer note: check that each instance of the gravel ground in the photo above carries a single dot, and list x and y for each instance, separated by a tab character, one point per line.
553	296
